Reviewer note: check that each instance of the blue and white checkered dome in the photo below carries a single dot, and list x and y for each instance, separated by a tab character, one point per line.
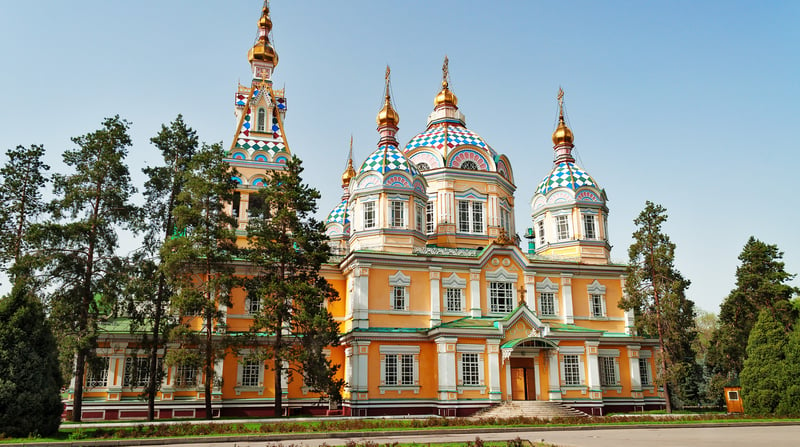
339	214
450	134
388	158
566	174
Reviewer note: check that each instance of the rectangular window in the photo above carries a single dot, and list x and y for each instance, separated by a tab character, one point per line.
137	371
398	370
572	370
396	217
452	300
253	306
501	297
430	222
547	303
470	374
369	215
505	220
250	373
97	375
562	227
419	217
608	371
644	372
185	376
470	217
597	305
398	298
589	228
540	227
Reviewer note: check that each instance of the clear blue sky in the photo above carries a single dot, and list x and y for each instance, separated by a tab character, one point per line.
689	104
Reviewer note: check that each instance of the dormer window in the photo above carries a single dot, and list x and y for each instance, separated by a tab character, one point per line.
261	122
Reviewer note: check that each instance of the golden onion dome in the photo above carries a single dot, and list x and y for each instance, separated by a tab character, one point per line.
262	50
446	96
562	134
388	116
349	173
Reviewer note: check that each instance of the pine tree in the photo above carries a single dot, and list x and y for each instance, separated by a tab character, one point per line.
789	404
286	250
656	291
198	263
763	376
177	144
20	199
30	378
78	246
761	283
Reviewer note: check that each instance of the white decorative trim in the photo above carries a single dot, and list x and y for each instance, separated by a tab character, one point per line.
463	347
608	352
501	275
643	354
570	349
454	282
596	288
399	349
399	279
547	286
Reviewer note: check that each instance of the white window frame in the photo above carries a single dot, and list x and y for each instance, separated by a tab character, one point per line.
501	278
398	213
430	217
395	375
419	217
471	351
563	227
597	291
589	226
98	378
454	284
547	289
471	217
252	307
540	231
138	376
506	222
568	354
186	376
399	284
644	360
454	300
244	364
609	371
261	120
368	215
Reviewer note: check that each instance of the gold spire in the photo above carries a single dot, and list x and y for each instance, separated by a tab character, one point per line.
349	171
387	116
262	50
445	96
562	134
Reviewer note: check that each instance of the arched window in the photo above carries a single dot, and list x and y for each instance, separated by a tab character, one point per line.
261	125
423	166
469	165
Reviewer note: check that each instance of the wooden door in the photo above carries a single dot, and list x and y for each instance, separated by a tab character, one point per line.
518	383
530	384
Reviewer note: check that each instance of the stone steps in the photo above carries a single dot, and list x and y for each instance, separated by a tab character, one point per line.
529	408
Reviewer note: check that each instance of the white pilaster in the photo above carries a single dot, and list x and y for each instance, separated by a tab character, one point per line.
475	293
436	306
493	351
536	375
530	291
566	301
593	366
633	359
446	351
360	361
361	296
553	376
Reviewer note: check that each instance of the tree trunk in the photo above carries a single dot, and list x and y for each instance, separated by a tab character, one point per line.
209	375
152	386
278	368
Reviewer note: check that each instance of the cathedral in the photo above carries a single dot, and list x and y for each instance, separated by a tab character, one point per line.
441	311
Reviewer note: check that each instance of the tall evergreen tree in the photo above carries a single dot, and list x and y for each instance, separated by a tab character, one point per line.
23	177
177	144
286	250
30	378
763	376
92	205
790	390
656	291
761	284
198	262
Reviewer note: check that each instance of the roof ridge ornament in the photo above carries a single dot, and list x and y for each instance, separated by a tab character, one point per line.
562	137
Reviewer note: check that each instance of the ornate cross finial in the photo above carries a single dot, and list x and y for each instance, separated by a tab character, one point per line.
388	75
521	293
560	97
350	155
445	72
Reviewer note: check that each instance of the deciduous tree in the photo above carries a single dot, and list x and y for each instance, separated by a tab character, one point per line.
656	291
286	250
198	263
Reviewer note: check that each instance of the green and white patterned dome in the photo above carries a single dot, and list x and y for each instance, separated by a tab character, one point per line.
566	174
